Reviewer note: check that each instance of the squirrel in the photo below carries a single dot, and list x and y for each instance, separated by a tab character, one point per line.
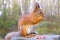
28	20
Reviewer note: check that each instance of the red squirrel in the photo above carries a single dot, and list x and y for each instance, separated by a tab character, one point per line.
30	19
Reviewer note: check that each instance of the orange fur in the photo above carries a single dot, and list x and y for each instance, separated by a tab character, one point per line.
30	19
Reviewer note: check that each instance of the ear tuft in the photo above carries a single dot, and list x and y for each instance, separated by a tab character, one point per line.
36	5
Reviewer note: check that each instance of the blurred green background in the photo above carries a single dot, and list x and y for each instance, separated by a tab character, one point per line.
9	14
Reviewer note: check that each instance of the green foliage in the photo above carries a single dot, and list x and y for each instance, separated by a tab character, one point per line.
5	23
8	20
50	25
15	10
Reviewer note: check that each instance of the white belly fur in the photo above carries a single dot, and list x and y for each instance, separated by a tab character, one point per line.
29	29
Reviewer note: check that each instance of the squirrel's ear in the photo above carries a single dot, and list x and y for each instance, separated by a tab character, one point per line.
36	5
